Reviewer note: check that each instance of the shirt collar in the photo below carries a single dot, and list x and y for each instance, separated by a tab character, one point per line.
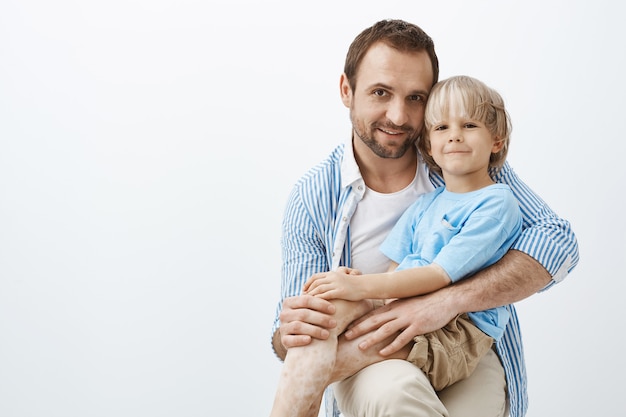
350	173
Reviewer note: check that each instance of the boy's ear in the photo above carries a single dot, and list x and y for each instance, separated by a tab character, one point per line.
498	144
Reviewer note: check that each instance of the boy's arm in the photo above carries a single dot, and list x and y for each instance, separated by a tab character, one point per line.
408	282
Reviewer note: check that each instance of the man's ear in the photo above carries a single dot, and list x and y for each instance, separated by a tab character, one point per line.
345	91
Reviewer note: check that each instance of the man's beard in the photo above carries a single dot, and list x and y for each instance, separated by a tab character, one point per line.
380	150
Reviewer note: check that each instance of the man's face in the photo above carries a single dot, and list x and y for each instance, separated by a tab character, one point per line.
387	106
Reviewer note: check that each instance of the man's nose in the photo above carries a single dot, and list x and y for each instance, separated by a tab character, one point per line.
398	112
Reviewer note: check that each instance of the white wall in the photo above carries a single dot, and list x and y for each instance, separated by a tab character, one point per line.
146	153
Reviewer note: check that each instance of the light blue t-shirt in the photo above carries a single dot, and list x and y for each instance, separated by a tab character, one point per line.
461	232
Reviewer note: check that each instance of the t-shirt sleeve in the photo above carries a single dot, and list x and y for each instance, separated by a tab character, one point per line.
483	239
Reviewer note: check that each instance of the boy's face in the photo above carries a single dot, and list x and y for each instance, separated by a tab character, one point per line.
387	106
460	145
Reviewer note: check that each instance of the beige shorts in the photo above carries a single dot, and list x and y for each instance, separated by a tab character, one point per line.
450	354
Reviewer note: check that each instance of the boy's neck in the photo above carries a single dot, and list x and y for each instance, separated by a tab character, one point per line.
467	183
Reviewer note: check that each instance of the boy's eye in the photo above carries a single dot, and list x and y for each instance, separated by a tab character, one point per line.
440	127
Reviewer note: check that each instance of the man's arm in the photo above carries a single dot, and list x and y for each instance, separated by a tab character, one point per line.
298	317
279	348
543	255
546	237
515	277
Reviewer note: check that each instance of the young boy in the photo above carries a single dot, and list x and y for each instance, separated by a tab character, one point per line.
444	236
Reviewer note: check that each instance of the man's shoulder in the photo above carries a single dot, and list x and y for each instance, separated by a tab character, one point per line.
325	171
319	189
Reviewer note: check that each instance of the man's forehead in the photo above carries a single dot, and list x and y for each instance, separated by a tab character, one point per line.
386	66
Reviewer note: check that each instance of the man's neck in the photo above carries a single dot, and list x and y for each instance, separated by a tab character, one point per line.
385	175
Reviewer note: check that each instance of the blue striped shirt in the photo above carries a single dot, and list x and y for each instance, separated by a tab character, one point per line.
316	238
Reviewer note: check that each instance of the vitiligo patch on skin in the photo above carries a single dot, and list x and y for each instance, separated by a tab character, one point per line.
308	370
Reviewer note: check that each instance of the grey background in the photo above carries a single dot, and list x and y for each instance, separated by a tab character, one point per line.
146	153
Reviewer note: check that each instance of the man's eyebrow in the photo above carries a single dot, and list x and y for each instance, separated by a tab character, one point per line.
424	93
390	88
380	85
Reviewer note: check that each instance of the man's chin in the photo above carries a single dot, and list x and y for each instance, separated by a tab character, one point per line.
393	153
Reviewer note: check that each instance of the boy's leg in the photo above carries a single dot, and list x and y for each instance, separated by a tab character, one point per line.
482	394
307	370
451	353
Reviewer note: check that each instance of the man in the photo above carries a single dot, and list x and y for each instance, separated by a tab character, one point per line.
339	213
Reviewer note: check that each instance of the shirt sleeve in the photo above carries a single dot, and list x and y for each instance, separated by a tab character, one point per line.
303	251
545	237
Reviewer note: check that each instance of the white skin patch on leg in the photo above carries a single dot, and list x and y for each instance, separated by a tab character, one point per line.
308	370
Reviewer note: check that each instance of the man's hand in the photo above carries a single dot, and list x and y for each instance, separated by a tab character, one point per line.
302	319
513	278
407	318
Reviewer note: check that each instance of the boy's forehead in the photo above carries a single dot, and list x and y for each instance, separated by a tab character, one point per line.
450	106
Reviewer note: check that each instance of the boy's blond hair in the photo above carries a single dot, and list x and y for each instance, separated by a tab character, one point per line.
476	101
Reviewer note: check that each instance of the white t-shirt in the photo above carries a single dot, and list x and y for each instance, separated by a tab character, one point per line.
375	216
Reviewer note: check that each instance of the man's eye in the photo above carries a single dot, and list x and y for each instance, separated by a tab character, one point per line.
380	93
416	97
